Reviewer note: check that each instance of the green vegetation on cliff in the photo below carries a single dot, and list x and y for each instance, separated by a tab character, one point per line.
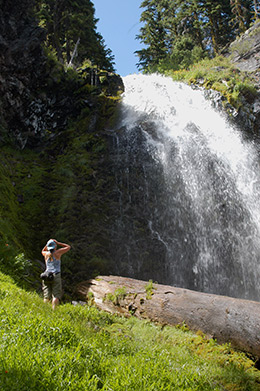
221	75
60	190
54	173
179	33
58	183
71	32
82	348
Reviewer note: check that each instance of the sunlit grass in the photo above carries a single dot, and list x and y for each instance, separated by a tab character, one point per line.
82	348
221	75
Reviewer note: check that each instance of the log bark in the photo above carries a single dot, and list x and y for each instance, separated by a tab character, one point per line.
226	319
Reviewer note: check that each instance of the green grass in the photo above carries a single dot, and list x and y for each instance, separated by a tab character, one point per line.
221	75
82	348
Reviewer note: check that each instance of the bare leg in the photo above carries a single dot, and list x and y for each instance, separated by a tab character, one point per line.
55	303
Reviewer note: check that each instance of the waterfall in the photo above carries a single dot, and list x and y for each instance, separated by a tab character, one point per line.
188	192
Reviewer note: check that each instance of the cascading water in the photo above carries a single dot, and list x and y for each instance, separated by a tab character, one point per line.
188	190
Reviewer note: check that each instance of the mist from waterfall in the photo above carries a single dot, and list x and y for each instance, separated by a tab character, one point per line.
188	190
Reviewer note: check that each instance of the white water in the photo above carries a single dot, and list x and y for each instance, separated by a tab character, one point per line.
207	218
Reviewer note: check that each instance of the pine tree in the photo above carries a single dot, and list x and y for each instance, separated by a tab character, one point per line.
257	9
153	34
71	27
178	32
242	11
169	27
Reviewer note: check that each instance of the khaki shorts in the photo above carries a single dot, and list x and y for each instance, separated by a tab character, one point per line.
52	289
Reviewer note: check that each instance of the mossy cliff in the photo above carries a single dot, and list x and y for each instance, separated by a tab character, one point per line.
59	190
60	167
54	175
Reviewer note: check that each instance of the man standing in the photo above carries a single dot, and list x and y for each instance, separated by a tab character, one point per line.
52	290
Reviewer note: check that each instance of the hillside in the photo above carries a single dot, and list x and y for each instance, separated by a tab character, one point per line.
81	348
54	167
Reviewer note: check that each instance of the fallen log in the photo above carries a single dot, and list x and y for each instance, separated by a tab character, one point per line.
226	319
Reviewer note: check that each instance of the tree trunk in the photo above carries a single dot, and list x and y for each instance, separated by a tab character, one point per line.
214	34
74	54
225	319
57	16
257	9
238	12
198	31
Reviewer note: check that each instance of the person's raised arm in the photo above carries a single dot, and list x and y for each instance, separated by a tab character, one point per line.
64	247
44	250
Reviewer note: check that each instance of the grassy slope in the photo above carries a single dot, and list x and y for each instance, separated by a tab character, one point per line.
221	75
81	348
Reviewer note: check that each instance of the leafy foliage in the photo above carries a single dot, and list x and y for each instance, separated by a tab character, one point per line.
13	263
183	55
149	290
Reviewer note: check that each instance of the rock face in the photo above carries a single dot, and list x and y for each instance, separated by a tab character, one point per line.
54	123
228	320
245	51
245	54
22	66
37	94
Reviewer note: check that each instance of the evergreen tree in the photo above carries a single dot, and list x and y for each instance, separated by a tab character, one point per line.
242	11
172	30
216	17
71	27
257	9
178	33
188	21
153	34
239	12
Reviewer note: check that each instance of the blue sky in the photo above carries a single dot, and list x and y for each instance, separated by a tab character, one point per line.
119	23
